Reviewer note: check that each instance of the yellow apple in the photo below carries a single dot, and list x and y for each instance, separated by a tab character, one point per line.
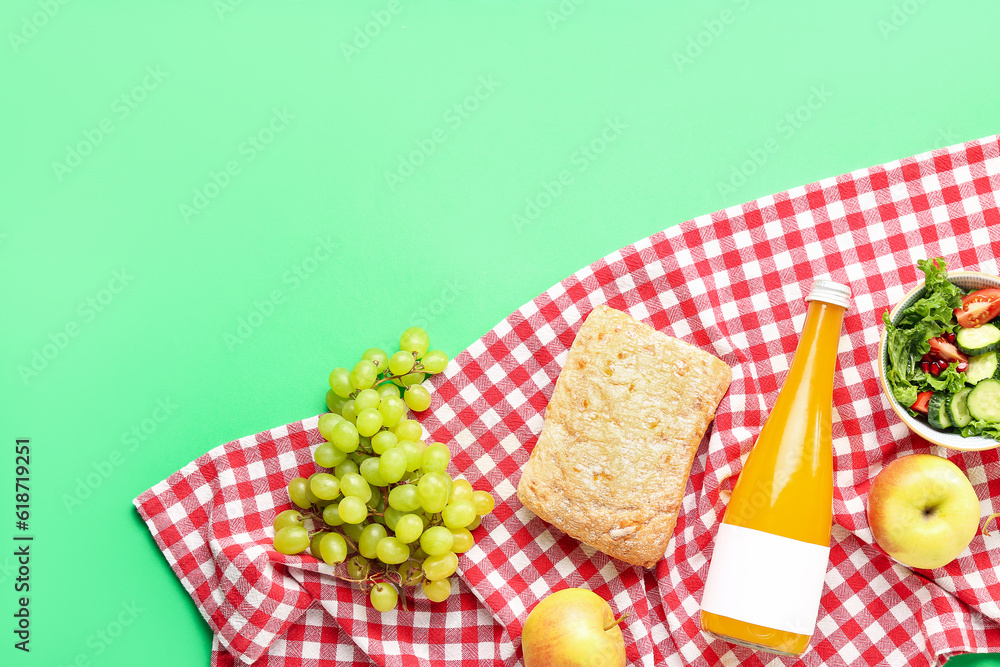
573	627
923	510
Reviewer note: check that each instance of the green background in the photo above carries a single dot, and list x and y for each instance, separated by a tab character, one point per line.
440	246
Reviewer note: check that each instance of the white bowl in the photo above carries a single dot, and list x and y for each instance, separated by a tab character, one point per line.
967	280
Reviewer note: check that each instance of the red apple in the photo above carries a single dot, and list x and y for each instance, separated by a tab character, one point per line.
573	627
923	510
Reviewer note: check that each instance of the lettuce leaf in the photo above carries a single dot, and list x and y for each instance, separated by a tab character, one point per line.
979	427
930	316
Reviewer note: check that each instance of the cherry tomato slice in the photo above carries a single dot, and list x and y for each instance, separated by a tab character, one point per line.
942	349
979	308
923	398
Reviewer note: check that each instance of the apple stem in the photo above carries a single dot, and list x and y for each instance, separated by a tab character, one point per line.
986	523
617	621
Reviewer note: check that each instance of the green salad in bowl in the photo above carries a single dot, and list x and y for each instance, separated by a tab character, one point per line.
940	357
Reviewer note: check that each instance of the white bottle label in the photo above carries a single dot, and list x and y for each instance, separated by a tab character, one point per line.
765	579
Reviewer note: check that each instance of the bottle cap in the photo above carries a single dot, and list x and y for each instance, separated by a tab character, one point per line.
829	291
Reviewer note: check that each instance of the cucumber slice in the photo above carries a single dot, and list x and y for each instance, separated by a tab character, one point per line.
984	401
982	367
979	340
958	407
937	411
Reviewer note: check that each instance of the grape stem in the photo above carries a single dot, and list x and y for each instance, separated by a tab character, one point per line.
381	379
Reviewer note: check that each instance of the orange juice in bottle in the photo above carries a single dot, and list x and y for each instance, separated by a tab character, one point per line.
767	568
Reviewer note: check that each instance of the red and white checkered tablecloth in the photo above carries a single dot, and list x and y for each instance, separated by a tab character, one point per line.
732	283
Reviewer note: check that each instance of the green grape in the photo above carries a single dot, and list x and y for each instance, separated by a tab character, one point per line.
369	470
348	412
417	398
324	486
401	363
328	456
376	501
408	429
292	540
368	398
436	458
345	436
411	379
298	492
435	361
463	540
408	528
353	531
384	596
440	566
370	537
475	523
287	518
392	517
404	498
433	491
331	515
314	545
414	454
310	496
392	408
327	421
415	340
436	540
340	382
387	389
484	502
334	403
333	548
460	490
369	422
383	441
345	467
410	573
392	465
391	551
353	484
437	591
364	374
352	510
458	514
358	568
377	356
418	555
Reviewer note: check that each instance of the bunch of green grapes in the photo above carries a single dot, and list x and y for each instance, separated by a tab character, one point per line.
385	507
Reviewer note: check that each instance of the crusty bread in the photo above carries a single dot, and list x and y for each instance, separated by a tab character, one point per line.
626	417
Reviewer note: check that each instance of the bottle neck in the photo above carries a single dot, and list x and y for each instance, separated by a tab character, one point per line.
815	357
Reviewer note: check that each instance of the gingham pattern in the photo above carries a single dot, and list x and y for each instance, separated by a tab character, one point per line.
731	282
